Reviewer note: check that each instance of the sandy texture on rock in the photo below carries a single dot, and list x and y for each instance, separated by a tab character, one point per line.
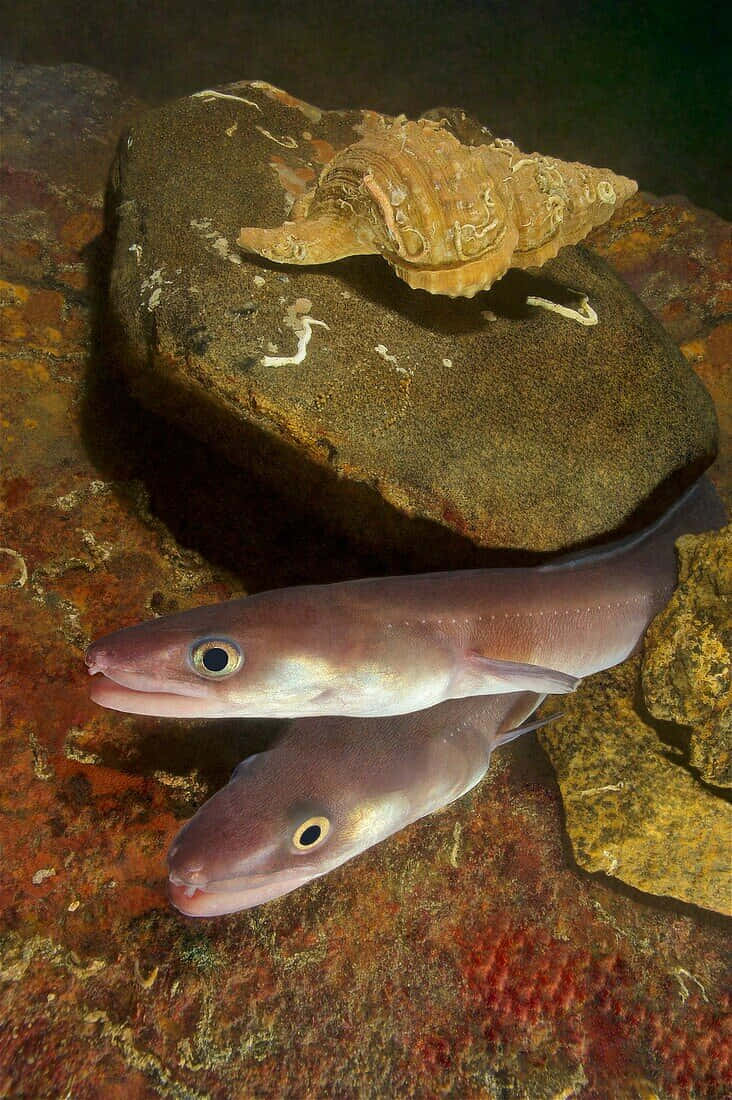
633	810
687	661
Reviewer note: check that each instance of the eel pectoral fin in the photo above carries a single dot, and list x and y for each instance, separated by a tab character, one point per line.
493	676
525	727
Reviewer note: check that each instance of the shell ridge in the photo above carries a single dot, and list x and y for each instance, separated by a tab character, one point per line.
449	218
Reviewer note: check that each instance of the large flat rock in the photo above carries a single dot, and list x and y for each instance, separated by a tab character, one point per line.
413	421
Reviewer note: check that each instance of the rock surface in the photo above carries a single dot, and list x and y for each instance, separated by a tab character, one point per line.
687	661
464	957
631	809
677	258
413	422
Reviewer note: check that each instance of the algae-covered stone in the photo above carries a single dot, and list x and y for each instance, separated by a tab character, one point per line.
632	808
687	664
404	418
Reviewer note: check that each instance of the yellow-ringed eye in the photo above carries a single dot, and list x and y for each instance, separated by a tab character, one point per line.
216	658
311	833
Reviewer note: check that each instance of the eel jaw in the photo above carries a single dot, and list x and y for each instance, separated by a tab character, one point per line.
136	697
194	900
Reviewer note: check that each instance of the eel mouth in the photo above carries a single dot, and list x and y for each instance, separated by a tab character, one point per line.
215	899
135	693
160	704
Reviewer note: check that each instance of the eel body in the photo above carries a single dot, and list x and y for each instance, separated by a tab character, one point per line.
392	645
329	789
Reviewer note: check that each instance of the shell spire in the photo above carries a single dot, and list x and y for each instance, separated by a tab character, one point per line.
450	218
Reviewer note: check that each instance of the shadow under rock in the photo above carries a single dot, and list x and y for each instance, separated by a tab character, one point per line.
230	514
210	505
675	741
371	279
199	756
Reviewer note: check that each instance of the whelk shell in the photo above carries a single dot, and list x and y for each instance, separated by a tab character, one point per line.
450	218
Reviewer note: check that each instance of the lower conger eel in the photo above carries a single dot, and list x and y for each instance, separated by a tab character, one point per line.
329	789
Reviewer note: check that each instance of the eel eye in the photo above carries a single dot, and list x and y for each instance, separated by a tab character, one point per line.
311	833
216	658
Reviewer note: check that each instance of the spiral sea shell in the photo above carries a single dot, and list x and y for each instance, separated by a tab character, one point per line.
450	218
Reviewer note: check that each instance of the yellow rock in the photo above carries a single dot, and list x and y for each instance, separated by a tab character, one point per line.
633	809
687	665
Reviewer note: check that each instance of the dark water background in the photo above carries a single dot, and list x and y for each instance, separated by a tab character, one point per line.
643	88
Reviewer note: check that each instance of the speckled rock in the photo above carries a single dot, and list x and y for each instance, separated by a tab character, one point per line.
677	259
412	421
633	810
687	661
